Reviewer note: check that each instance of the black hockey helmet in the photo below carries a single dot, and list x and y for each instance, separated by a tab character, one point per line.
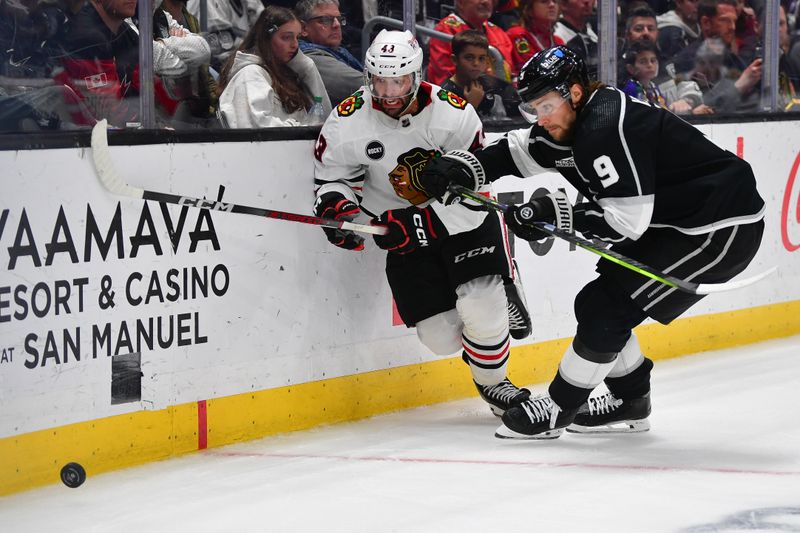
552	69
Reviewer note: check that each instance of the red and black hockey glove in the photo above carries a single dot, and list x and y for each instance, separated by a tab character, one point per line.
553	208
410	229
335	206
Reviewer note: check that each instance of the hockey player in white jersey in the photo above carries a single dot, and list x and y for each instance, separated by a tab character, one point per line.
448	264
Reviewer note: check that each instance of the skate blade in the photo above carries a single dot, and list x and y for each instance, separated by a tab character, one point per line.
624	426
503	432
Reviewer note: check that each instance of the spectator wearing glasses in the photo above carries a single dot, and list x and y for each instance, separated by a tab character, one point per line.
322	25
269	82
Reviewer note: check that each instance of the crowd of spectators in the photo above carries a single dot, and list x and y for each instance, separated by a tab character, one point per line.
260	63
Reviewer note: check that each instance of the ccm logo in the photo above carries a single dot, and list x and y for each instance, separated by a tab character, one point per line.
205	204
421	235
474	253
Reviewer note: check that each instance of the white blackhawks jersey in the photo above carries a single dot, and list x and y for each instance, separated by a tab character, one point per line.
370	157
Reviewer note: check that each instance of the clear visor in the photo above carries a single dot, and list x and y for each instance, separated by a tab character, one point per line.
541	107
394	88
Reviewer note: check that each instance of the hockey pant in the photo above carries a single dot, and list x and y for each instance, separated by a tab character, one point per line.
478	325
604	349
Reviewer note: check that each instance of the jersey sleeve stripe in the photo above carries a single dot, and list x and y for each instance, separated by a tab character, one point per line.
625	142
628	216
518	141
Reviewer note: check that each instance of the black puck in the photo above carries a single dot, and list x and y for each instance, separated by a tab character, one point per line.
73	475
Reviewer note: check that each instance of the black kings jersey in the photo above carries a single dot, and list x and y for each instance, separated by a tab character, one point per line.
639	166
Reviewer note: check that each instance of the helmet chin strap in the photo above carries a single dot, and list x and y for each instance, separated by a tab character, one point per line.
408	105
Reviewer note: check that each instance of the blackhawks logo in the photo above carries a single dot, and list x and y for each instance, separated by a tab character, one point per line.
405	176
350	105
452	21
452	99
522	45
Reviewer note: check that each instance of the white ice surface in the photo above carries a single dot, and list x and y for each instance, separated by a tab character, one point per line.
723	454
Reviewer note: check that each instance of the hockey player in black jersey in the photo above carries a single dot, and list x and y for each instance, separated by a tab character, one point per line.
656	189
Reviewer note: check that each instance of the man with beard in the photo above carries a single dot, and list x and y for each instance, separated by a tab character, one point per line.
448	264
657	190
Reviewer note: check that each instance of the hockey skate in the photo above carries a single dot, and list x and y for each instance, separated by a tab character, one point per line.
519	320
537	418
502	396
608	414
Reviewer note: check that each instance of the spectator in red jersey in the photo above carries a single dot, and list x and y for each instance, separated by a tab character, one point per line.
535	32
470	14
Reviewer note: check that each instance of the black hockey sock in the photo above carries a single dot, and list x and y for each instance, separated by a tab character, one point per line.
633	385
566	395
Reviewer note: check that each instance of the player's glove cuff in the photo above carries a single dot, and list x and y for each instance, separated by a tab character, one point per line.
591	223
456	166
335	206
409	229
553	208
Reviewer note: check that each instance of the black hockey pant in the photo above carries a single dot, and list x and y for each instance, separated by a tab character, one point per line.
606	317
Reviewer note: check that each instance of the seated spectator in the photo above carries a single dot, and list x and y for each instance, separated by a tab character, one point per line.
682	96
575	30
535	32
205	84
322	24
789	69
228	21
269	81
29	35
728	83
470	14
678	28
505	13
178	56
490	96
747	32
724	89
641	63
101	62
717	20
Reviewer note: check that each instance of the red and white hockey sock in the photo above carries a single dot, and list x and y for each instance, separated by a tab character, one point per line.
487	358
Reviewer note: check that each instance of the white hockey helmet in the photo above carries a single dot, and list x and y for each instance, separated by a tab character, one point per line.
393	54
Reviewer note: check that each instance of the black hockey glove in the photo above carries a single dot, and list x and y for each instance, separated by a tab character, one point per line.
335	206
553	208
410	229
456	166
591	223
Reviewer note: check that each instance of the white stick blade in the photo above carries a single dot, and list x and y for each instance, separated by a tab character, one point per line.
105	166
709	288
363	228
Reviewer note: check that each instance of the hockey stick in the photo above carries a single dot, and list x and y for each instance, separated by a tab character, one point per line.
615	257
114	183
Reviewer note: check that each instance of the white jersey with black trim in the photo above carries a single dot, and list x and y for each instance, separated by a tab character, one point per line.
372	158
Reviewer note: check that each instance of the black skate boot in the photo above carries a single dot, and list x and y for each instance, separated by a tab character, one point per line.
502	396
537	418
519	320
608	414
